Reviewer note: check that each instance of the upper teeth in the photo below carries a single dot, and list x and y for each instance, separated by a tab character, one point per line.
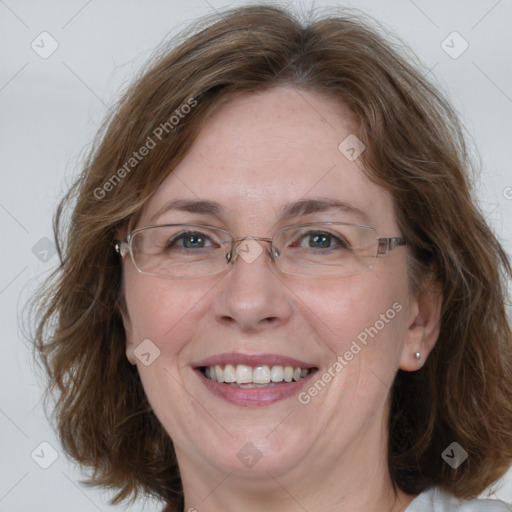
243	374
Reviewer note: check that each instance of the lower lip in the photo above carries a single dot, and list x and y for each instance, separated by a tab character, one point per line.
254	397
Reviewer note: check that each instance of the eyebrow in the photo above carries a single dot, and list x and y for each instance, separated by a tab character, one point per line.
294	209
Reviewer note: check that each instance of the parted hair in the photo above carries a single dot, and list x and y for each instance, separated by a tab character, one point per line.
415	149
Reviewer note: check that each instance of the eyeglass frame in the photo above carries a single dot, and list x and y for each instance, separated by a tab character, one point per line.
384	245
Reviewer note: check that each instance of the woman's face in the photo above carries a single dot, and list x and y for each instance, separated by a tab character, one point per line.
256	155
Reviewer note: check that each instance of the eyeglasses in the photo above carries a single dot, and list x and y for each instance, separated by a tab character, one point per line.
319	249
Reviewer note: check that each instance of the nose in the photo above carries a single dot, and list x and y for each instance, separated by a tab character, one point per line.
252	295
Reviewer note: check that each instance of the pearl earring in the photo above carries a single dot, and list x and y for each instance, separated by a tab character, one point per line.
417	355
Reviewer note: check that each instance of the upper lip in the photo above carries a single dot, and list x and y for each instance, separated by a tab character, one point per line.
252	360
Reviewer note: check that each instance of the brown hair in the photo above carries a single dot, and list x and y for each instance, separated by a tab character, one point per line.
414	148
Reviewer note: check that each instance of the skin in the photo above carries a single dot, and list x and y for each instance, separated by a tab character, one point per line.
256	153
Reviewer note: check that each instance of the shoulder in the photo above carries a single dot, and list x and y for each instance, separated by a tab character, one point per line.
437	500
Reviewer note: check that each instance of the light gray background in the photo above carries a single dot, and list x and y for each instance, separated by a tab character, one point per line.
51	108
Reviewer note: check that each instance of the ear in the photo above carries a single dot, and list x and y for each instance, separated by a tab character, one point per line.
424	326
129	344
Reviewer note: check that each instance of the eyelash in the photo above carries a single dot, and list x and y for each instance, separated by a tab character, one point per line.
181	236
342	242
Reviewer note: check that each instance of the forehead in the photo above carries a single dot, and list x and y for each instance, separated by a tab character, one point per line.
261	151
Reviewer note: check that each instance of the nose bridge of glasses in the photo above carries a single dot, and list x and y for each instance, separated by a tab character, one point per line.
236	243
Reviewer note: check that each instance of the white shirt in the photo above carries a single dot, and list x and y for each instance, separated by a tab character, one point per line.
436	500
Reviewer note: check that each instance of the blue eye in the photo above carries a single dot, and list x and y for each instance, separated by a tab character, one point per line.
320	240
190	239
323	240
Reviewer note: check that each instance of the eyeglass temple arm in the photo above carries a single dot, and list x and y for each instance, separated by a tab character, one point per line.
388	244
121	247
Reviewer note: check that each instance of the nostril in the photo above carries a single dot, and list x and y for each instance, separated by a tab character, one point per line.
227	319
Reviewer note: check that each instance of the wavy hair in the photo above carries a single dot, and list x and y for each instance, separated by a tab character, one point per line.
415	149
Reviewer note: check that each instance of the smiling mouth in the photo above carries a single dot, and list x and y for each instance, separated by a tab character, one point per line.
264	376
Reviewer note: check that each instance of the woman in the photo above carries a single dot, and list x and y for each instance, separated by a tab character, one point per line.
276	292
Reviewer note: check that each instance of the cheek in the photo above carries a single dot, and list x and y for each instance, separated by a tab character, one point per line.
160	309
150	310
362	324
165	313
365	310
